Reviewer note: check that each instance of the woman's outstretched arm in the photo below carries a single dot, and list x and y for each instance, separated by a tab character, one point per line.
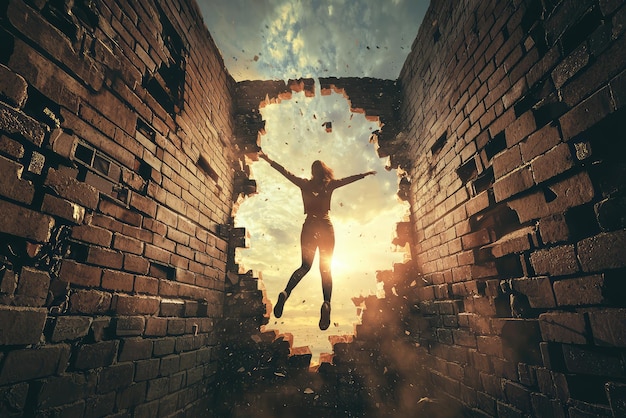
351	179
282	170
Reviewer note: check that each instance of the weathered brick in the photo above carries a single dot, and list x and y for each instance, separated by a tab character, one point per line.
11	147
540	142
117	280
13	87
126	326
515	182
136	264
553	162
13	121
115	377
538	290
555	261
135	305
506	161
80	274
135	349
143	204
553	229
564	327
63	208
63	144
71	189
603	251
127	244
90	301
592	361
157	388
92	356
11	183
70	328
32	287
587	290
25	223
60	390
609	327
520	128
586	114
32	363
20	326
105	257
92	234
120	213
131	396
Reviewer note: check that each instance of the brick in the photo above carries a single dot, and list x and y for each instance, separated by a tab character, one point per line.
128	326
32	363
63	144
506	161
135	349
8	282
13	87
540	142
148	285
117	280
80	274
11	183
553	162
127	244
513	183
538	290
115	377
32	287
587	290
136	264
13	121
592	361
89	301
71	189
514	242
105	257
92	234
11	147
555	261
563	327
60	390
146	369
603	251
520	128
157	388
25	223
475	239
63	209
586	114
553	229
92	356
136	305
143	204
608	327
68	328
517	395
20	326
164	346
118	212
132	395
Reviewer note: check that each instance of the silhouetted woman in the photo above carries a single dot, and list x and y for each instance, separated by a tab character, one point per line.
317	230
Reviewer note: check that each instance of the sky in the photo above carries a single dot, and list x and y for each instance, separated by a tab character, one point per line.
281	40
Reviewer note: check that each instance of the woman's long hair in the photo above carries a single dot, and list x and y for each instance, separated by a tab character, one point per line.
321	172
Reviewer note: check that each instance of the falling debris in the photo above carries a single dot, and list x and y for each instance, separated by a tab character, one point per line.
309	391
256	58
328	126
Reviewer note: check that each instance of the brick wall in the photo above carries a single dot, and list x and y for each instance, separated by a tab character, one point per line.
116	191
513	121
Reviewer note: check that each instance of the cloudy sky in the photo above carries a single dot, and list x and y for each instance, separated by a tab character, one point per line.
282	39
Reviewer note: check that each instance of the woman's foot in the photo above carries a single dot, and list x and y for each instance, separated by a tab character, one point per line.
278	309
325	315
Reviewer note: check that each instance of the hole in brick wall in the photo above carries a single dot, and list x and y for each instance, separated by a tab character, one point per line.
539	90
581	30
495	145
43	109
468	171
6	46
549	194
145	132
499	221
548	110
167	84
203	164
96	161
532	15
439	143
363	214
615	287
161	271
484	181
144	169
509	266
436	34
59	13
582	222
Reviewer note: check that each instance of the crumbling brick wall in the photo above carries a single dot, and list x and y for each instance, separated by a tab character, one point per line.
116	190
513	124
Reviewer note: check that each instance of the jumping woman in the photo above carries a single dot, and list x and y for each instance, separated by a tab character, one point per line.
317	230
